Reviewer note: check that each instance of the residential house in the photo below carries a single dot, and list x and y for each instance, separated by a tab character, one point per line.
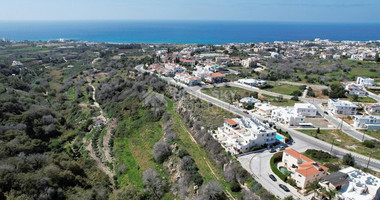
187	79
239	135
287	115
252	82
373	108
367	122
249	101
175	67
341	107
215	78
265	109
360	186
334	181
354	89
366	82
305	170
188	62
305	109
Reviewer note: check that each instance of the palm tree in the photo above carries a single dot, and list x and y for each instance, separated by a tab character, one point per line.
330	193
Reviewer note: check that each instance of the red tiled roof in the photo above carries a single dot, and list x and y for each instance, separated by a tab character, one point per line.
217	74
308	168
297	155
231	122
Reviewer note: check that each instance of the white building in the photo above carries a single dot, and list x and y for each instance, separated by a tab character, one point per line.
373	108
287	115
265	109
354	89
239	135
294	116
249	100
305	109
187	79
368	122
361	185
252	82
174	67
305	170
249	62
342	107
366	82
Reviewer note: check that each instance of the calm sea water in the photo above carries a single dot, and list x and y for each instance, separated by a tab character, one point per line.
186	31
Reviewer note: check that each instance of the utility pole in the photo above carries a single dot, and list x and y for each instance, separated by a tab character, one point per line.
332	145
369	159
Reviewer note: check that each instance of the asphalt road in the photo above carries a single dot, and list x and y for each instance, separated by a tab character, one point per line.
299	138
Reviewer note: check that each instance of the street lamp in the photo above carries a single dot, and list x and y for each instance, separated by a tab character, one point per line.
369	159
332	145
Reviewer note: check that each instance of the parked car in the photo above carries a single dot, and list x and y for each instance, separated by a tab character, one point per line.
246	112
326	112
286	189
272	150
272	177
282	148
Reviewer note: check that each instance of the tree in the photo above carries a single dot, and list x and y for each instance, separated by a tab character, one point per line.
354	98
289	198
337	90
325	92
255	95
310	92
161	151
348	159
212	190
153	184
127	192
295	98
235	187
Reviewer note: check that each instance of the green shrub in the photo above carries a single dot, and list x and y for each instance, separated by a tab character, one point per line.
333	167
348	159
370	143
292	182
235	187
277	157
319	155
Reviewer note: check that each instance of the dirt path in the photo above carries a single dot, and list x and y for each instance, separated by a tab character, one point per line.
99	163
105	149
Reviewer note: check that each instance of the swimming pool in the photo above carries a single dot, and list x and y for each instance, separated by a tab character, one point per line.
279	137
284	171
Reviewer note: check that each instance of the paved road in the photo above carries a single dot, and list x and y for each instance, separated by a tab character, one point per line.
338	123
259	166
374	96
297	136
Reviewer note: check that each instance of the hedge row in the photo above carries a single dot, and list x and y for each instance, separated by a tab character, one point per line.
276	158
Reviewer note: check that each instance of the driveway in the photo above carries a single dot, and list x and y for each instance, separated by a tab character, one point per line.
258	165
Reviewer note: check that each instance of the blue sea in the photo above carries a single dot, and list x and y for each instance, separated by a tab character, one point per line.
204	32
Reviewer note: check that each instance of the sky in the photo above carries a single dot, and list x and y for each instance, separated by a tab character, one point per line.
343	11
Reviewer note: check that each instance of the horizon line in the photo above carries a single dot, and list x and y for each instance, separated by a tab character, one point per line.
187	20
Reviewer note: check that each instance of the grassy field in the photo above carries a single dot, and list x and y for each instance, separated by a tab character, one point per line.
274	100
227	94
373	133
284	89
211	116
135	150
342	140
366	100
